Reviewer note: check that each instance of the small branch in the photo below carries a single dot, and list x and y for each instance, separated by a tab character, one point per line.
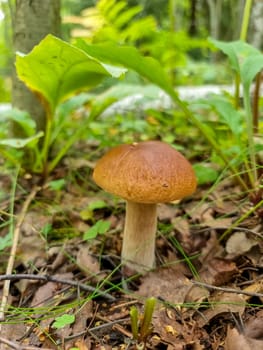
12	255
96	328
228	290
17	346
48	278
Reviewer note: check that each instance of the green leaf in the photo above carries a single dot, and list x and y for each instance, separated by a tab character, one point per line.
227	113
251	66
63	321
24	120
57	185
20	143
5	241
237	51
130	58
100	227
56	69
205	174
97	205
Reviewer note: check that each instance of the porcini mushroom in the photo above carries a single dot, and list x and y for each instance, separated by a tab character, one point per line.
144	174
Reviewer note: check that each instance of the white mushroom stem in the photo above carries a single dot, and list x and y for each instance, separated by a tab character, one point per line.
138	248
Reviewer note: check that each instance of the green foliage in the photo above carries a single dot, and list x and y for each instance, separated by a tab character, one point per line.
103	60
54	70
112	20
141	324
62	321
62	69
5	241
100	228
246	62
205	174
118	22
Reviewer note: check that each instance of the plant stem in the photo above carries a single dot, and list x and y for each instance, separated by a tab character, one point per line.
243	36
256	97
134	321
145	327
251	146
46	146
172	19
245	20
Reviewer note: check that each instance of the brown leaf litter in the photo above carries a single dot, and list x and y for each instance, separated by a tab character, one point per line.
188	315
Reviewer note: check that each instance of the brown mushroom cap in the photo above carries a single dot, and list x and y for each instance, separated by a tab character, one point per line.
145	172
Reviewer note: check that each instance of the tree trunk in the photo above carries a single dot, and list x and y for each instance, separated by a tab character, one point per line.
192	28
215	10
256	27
33	20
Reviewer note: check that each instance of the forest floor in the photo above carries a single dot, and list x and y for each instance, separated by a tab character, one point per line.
207	283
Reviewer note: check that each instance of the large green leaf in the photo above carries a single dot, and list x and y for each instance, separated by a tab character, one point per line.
249	69
130	58
237	51
227	113
56	69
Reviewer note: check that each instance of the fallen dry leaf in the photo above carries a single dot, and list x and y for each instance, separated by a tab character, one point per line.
235	340
167	284
166	211
238	244
12	331
217	271
166	326
46	292
253	327
256	287
82	344
86	262
221	303
176	333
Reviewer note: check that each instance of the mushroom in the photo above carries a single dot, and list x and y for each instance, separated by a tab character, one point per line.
144	174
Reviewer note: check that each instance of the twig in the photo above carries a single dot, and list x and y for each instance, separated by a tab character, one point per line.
96	328
11	344
12	256
228	290
48	278
17	346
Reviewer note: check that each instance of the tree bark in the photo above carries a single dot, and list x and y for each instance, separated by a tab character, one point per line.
33	20
256	27
192	28
215	9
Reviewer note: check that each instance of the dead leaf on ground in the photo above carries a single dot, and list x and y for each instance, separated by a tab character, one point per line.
166	212
239	243
86	262
253	327
82	344
167	284
217	271
177	334
46	292
31	248
235	340
221	303
166	326
13	331
256	287
199	212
